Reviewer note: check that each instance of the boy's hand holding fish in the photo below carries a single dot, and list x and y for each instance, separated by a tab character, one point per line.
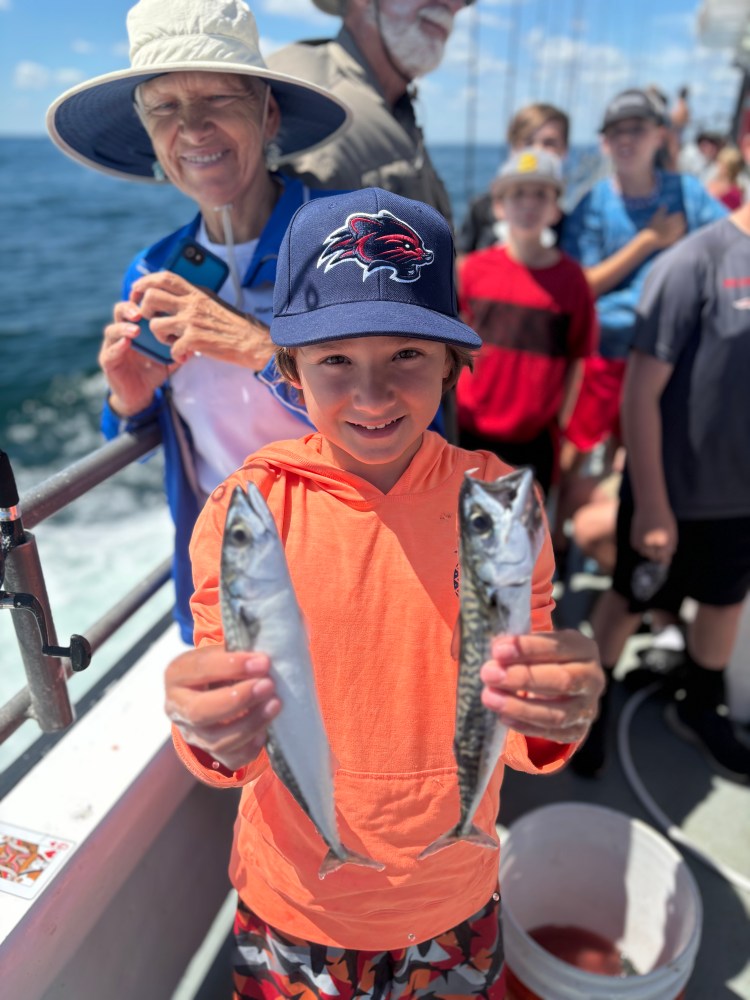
222	702
544	685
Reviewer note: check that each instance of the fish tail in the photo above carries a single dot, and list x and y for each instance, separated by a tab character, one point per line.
473	835
333	861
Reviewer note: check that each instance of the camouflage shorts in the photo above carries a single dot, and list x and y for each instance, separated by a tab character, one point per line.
463	962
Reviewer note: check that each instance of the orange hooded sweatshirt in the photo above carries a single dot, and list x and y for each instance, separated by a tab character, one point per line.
376	576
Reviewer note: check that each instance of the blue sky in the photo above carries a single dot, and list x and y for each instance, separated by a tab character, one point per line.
574	53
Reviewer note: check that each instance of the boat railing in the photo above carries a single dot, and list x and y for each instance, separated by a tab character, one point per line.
48	666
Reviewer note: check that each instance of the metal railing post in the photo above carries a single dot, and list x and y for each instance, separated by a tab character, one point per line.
48	688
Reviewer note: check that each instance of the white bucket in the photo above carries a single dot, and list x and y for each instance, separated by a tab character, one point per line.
583	866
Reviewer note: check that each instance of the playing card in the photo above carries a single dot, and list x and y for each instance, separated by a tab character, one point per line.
29	860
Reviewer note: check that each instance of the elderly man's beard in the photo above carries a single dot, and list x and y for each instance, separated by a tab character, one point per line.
415	51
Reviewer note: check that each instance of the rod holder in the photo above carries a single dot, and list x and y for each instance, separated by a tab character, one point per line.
79	650
19	563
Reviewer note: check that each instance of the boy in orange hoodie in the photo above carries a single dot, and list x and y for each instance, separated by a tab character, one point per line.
365	319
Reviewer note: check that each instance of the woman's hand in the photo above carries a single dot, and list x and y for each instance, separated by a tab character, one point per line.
132	376
222	702
545	685
197	322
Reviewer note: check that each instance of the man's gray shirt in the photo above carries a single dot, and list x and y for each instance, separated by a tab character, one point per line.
383	146
695	314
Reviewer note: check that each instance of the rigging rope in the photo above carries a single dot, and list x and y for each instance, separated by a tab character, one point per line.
575	56
472	101
514	34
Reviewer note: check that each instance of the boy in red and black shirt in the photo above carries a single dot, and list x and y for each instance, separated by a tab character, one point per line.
533	309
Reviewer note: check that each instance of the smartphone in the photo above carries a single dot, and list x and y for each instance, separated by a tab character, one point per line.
198	266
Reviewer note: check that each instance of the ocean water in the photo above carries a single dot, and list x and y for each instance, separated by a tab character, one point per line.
70	233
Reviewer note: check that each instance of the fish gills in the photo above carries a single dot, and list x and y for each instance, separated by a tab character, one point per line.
500	536
259	610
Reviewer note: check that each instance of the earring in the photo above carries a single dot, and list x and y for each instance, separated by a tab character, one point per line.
272	155
158	171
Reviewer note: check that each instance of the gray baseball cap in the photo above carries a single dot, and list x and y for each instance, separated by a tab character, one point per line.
632	104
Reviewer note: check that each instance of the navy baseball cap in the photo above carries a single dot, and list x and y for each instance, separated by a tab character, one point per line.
366	263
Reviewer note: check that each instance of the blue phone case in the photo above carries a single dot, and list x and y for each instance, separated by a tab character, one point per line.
198	266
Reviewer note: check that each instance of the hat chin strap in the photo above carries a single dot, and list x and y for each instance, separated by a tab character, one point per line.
226	225
226	221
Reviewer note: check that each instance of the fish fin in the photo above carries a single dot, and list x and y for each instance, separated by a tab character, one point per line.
332	862
473	836
476	836
451	837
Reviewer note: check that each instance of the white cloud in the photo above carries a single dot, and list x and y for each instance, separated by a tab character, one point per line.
82	47
33	76
460	50
5	5
67	77
685	21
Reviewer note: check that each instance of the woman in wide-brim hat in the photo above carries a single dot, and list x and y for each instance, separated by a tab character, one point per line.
97	123
199	108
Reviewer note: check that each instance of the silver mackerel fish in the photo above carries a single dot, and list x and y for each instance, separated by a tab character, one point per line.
259	611
500	536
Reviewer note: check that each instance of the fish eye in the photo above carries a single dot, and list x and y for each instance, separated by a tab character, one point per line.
240	534
480	522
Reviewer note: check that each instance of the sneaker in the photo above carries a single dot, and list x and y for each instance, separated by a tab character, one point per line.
589	759
711	729
671	637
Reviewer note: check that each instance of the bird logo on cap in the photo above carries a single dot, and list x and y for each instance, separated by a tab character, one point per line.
377	241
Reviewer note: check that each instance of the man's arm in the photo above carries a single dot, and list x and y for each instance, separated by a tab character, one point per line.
654	530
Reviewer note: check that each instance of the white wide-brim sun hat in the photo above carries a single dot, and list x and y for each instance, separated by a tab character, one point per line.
96	122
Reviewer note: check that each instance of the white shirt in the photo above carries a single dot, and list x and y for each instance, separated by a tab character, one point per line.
229	412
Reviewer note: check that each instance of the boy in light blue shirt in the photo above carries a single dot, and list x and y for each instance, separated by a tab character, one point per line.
615	232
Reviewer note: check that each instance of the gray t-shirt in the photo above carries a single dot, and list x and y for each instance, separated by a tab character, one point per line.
695	314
